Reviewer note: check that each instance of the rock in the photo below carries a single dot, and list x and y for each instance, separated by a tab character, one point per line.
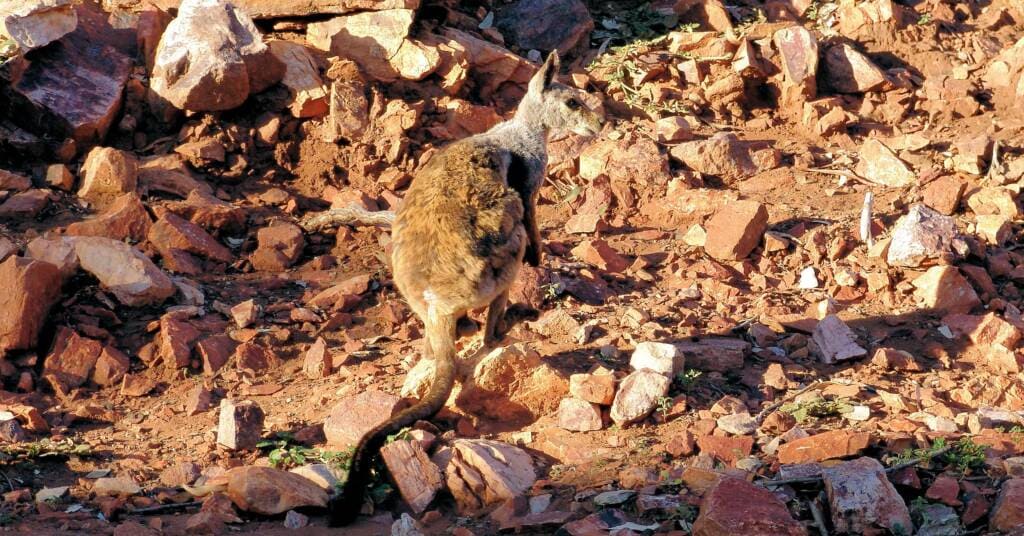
737	424
724	448
736	506
880	165
280	245
546	25
601	255
51	495
317	361
944	289
199	400
321	474
169	173
417	478
59	177
512	384
36	23
673	129
863	500
30	288
245	313
836	341
596	388
722	155
799	57
638	395
924	236
1008	512
58	251
24	205
171	232
269	491
278	9
994	229
111	366
239	427
825	446
215	352
14	181
378	41
205	210
481	472
943	194
849	71
714	354
180	474
302	78
117	487
663	358
73	87
353	416
994	201
579	415
406	526
349	108
294	520
128	274
735	230
255	358
136	385
71	361
491	66
211	57
177	335
945	489
107	174
892	359
125	218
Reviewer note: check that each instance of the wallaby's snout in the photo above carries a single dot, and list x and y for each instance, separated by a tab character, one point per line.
586	122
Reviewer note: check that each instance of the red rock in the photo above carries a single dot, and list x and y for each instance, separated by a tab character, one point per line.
205	210
269	491
863	500
24	205
58	251
353	416
825	446
239	425
726	449
736	506
992	201
736	230
317	362
836	341
14	181
799	57
579	415
172	232
111	366
977	508
202	152
681	445
74	87
481	472
378	42
417	478
1008	511
126	218
215	352
169	173
601	255
199	400
342	296
943	194
944	289
546	25
593	388
177	336
302	78
893	359
136	385
107	174
280	245
946	490
722	155
71	361
254	357
673	129
849	71
30	289
180	474
714	354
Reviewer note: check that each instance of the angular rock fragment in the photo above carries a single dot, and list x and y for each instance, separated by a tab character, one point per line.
836	341
239	425
879	164
863	500
736	506
418	479
481	472
30	288
735	230
924	236
638	395
269	491
546	25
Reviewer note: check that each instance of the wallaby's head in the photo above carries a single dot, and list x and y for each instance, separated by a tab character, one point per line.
558	106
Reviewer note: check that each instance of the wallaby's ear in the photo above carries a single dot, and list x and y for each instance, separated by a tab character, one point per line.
546	74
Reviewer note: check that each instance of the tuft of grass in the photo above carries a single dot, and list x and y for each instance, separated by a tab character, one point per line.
819	408
963	456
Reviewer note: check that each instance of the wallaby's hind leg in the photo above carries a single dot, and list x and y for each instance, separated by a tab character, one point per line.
495	331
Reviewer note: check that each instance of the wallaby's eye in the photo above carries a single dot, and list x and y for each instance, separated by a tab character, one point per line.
573	104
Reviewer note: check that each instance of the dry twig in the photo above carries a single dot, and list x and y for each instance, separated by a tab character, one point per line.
350	215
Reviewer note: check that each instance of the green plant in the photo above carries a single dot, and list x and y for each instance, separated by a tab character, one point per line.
552	291
7	48
283	454
664	406
925	19
1017	435
623	68
963	456
687	379
817	408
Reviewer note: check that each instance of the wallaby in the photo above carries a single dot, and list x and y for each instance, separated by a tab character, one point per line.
466	223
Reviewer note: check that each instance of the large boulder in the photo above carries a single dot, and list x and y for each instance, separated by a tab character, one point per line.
30	288
547	25
123	270
379	42
32	24
210	58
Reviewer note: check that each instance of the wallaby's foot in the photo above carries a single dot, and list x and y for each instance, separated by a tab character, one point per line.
466	327
497	327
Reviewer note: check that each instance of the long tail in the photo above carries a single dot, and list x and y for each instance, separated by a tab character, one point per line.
345	507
